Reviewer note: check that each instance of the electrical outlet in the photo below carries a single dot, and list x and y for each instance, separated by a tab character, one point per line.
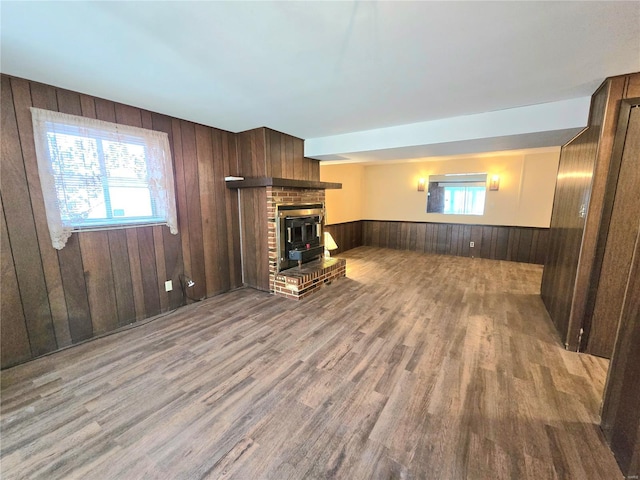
168	285
472	244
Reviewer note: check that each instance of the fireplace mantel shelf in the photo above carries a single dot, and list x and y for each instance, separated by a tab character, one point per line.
252	182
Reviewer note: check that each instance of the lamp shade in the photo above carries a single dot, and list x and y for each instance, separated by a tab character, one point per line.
329	242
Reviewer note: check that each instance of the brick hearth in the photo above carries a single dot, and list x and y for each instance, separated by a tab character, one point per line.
299	282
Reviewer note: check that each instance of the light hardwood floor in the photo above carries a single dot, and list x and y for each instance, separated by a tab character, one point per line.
415	366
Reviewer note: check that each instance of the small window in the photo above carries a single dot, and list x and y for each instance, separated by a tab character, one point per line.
97	175
457	194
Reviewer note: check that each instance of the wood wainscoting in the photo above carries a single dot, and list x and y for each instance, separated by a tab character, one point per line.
101	281
517	244
347	235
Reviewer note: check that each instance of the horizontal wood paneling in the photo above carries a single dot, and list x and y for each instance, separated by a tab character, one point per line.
347	235
517	244
101	281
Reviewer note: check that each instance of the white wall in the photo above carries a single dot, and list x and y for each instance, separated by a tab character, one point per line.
389	191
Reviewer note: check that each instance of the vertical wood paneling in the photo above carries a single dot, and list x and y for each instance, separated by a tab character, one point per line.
375	233
297	153
502	243
265	152
420	237
251	153
221	266
622	232
255	255
286	157
75	290
103	280
476	238
542	246
173	265
524	244
466	249
146	253
99	279
620	412
207	202
413	234
14	341
485	247
181	194
232	214
273	149
123	287
403	235
315	170
572	190
393	229
347	235
196	246
22	231
136	272
452	239
161	271
22	101
574	244
442	246
589	262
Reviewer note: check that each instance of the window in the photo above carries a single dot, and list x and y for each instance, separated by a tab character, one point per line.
97	175
457	194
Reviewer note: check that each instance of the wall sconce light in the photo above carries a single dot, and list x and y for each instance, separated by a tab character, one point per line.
329	244
494	183
421	183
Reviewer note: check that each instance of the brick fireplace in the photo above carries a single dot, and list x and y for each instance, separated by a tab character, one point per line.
272	170
297	282
285	196
258	204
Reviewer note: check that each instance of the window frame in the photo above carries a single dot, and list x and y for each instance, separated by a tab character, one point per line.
158	179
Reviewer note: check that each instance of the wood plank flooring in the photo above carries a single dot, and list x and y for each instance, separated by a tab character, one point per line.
416	366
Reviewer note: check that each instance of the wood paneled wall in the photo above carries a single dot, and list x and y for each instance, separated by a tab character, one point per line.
103	280
255	247
267	153
347	235
619	229
263	152
571	199
518	244
575	251
621	407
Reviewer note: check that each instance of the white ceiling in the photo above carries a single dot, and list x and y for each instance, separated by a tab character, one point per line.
324	69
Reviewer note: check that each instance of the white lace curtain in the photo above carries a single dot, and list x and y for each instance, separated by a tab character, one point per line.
99	175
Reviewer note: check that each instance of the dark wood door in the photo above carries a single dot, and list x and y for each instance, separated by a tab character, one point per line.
620	228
